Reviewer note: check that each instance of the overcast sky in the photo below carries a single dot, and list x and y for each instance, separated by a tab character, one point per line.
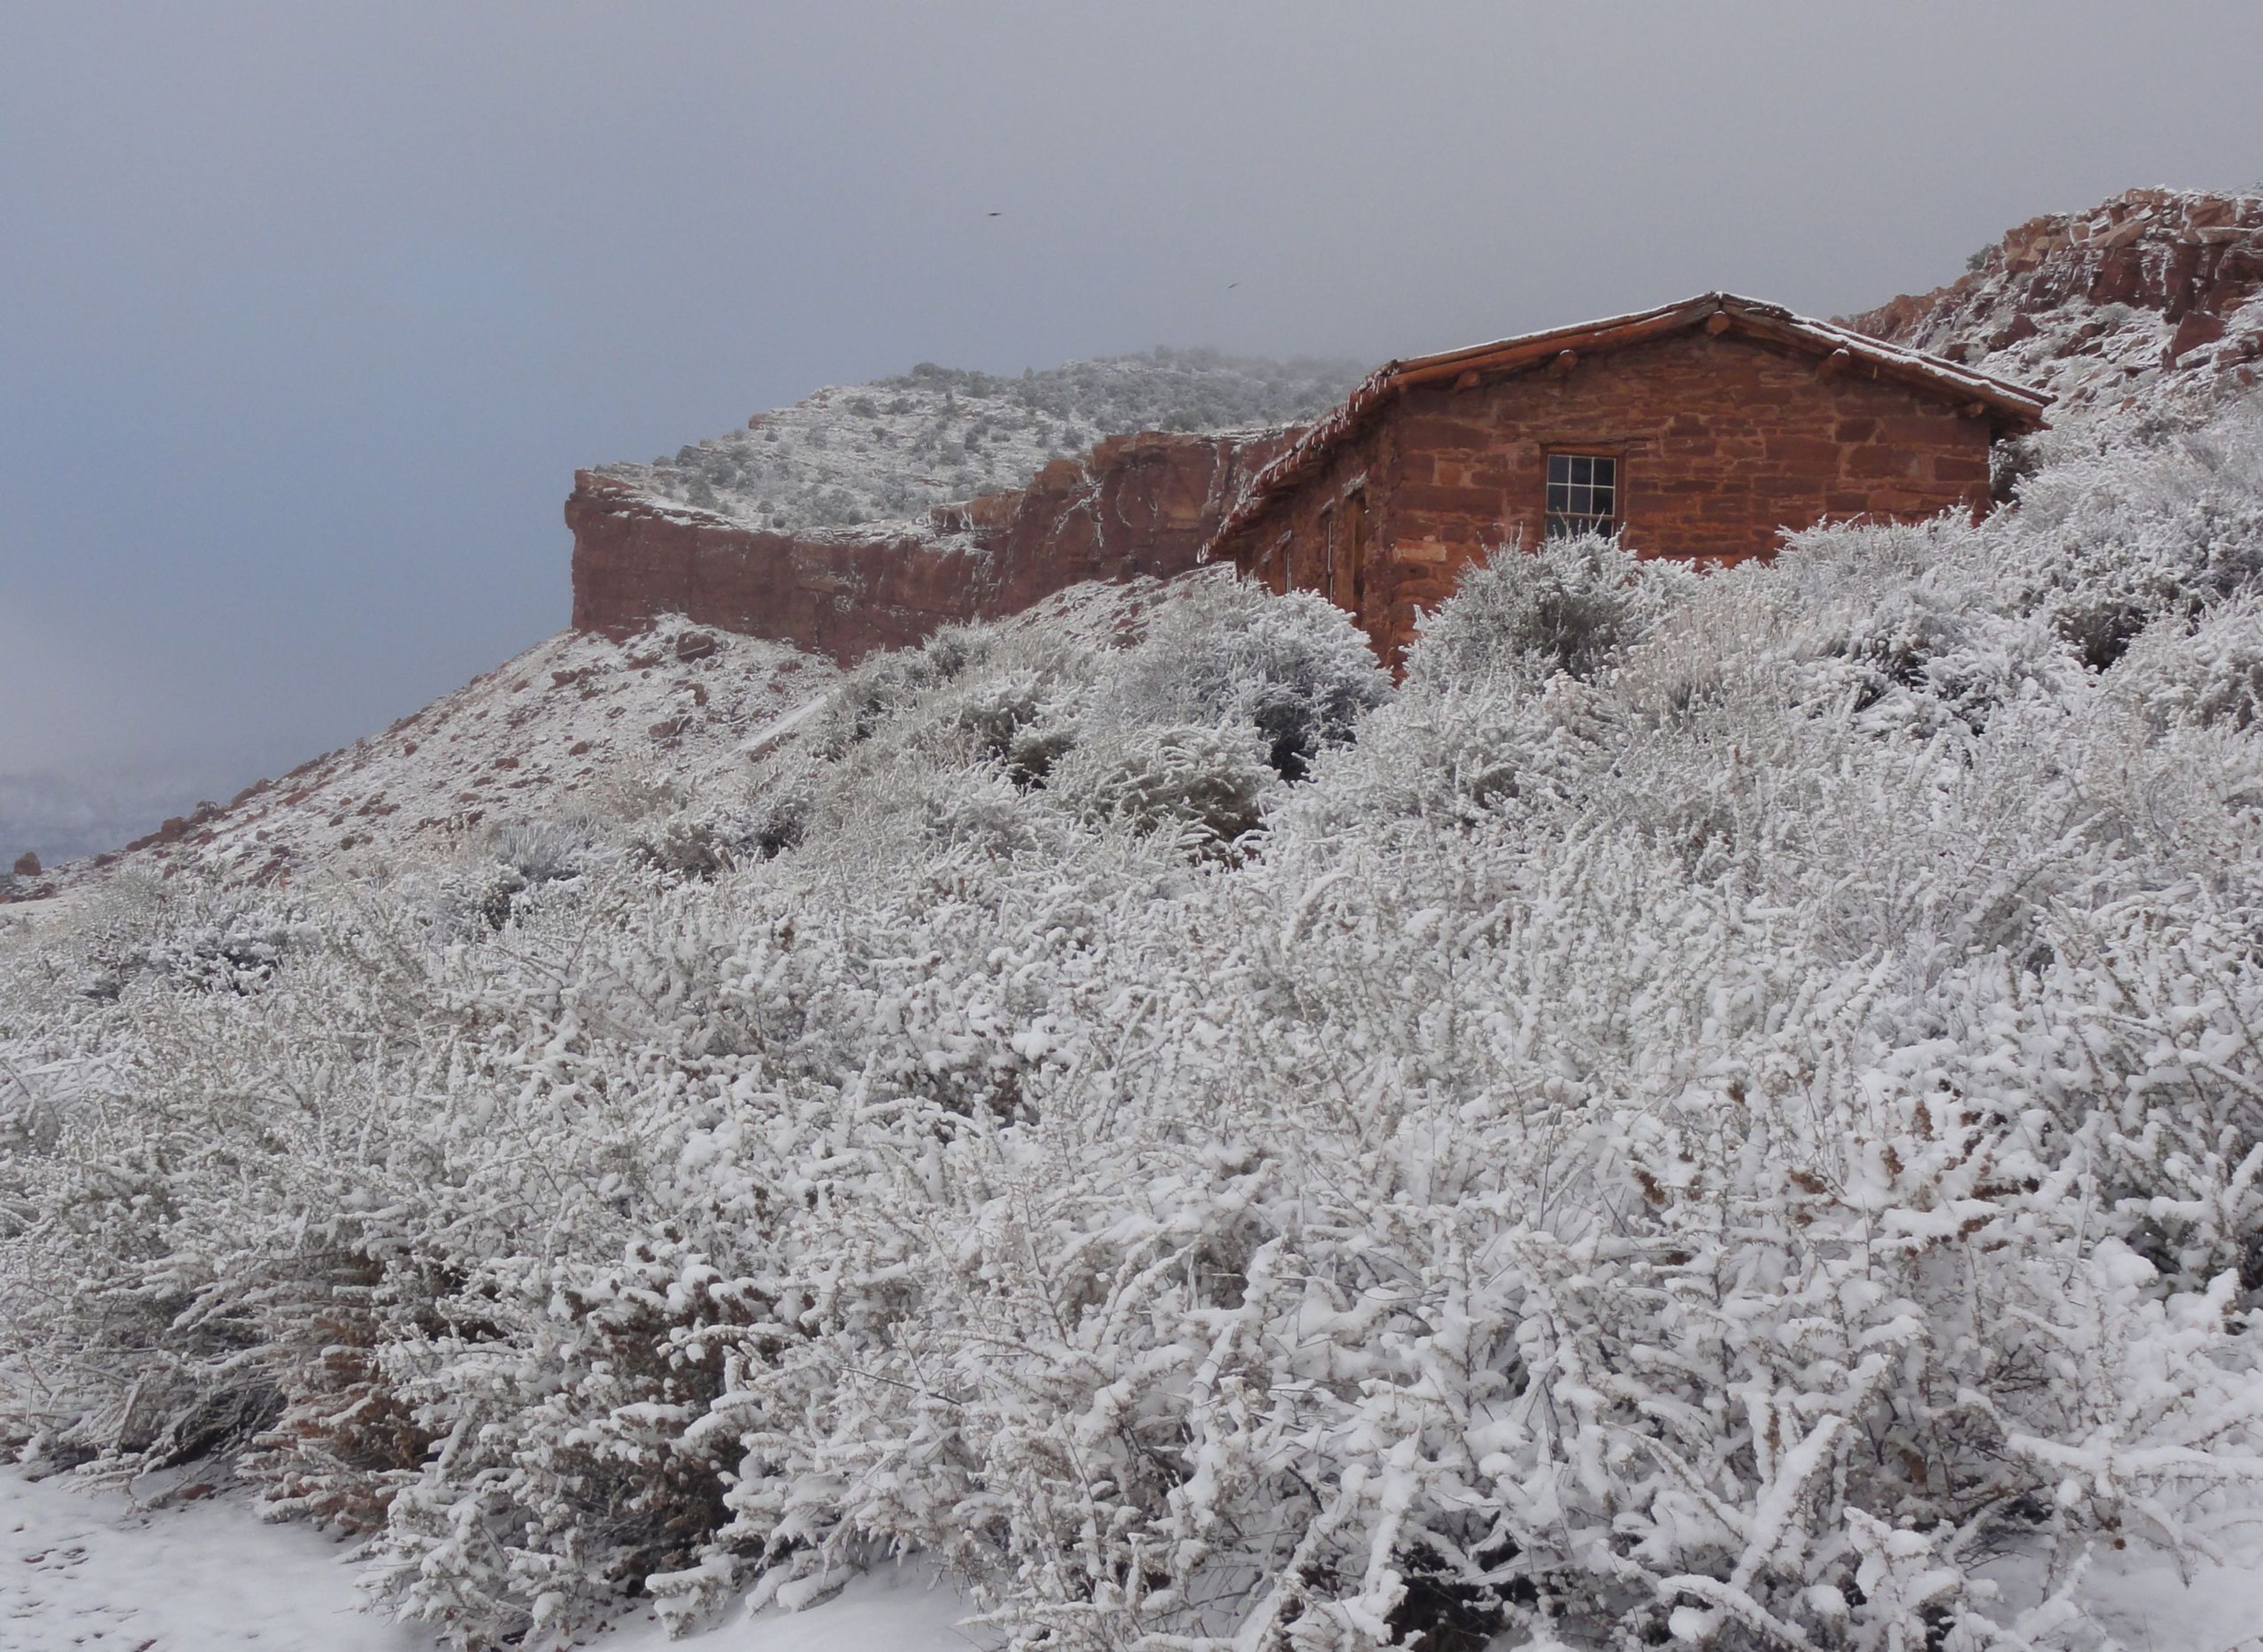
309	311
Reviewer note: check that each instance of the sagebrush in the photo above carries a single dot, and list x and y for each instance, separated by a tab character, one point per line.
1722	1110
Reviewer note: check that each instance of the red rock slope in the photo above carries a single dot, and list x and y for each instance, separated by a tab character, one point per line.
2156	296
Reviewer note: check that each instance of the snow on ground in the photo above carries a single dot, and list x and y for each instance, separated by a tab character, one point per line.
82	1570
575	722
898	1609
79	1570
2141	1602
2134	1599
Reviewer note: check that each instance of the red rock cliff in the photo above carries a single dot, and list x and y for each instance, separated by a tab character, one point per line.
2154	290
1141	504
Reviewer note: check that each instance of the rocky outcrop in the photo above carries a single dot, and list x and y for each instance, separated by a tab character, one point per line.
2155	294
636	558
1141	504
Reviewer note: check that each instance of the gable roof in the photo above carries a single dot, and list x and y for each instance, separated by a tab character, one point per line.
2010	407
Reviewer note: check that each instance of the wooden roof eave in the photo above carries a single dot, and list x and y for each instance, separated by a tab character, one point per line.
1507	354
2009	405
2006	404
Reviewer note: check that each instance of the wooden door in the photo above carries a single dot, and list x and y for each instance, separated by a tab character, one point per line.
1350	592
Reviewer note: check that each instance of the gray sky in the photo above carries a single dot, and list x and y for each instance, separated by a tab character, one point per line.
307	311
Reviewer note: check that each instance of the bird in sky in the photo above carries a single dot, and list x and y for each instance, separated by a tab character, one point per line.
1231	284
997	215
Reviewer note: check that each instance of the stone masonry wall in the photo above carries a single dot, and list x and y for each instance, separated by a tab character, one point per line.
1722	442
1142	504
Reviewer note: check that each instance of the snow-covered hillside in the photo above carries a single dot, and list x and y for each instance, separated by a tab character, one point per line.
1720	1112
845	455
62	816
575	725
893	448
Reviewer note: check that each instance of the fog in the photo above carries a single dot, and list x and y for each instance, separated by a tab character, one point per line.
308	311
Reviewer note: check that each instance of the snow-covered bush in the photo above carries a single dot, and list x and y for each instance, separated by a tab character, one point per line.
198	937
888	683
1724	1113
2116	537
1899	608
513	865
1208	783
2202	672
1570	607
1227	651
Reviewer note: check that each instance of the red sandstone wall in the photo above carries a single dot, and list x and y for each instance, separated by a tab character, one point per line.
636	558
1141	504
1724	442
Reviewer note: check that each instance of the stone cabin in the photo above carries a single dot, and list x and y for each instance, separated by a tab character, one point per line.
1701	429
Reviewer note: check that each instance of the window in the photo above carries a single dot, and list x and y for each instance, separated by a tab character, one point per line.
1583	494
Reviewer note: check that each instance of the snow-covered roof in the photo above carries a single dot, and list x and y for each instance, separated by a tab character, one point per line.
2010	407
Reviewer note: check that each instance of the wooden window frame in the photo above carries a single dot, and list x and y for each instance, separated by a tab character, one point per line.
1553	452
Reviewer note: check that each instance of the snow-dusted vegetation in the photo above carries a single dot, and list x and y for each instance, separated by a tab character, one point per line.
891	449
1721	1110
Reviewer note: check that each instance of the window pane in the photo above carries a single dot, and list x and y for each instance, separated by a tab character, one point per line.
1582	495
